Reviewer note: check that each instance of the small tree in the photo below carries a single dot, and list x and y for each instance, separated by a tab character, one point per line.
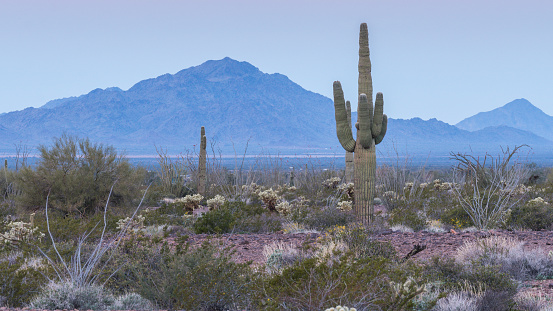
486	187
78	175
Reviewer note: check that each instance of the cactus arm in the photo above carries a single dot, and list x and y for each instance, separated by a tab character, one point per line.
348	112
364	135
343	130
380	136
378	115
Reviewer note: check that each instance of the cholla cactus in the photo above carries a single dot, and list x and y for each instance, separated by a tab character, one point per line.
20	232
252	189
283	208
537	201
331	182
347	189
340	308
345	206
391	195
270	199
191	202
216	202
133	225
404	293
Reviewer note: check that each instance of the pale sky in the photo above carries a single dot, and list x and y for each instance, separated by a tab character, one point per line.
439	59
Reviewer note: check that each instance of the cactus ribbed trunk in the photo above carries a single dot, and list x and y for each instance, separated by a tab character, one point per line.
202	164
365	183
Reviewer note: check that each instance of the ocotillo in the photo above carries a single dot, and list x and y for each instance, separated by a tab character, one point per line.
371	127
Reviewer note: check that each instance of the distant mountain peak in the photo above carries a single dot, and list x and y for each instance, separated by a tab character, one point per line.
224	69
519	114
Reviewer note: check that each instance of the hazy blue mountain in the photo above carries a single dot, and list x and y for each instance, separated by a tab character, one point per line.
519	113
236	103
421	138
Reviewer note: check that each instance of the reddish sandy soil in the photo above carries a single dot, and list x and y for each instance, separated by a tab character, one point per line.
249	247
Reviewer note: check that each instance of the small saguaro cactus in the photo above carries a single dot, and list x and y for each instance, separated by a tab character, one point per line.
371	127
202	164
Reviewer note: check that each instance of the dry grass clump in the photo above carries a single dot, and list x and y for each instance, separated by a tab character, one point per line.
509	254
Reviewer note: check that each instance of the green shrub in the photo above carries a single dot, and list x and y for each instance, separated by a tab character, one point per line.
71	227
315	284
408	217
215	221
182	277
454	276
19	283
264	223
531	216
78	175
457	217
359	240
327	217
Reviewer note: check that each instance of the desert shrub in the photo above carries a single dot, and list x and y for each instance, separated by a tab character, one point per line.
456	277
359	241
203	278
77	175
326	217
8	191
496	301
215	221
407	216
132	301
167	214
238	217
279	255
457	217
71	227
508	256
457	301
534	215
259	223
315	284
20	280
60	296
68	296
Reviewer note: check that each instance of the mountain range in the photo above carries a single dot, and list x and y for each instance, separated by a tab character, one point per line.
239	104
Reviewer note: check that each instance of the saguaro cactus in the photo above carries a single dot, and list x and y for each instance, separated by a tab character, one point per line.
371	127
202	164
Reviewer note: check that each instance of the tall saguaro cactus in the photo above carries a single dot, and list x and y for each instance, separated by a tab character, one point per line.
202	164
371	127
